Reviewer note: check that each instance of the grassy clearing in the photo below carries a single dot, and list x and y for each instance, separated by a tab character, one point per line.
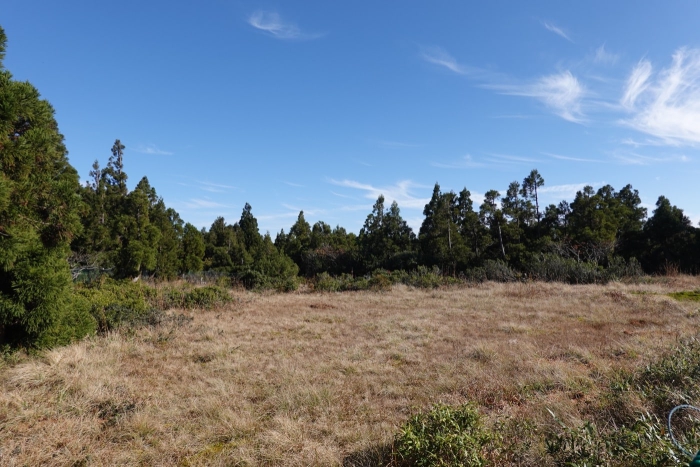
330	378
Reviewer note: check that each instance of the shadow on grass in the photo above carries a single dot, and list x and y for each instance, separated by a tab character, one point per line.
373	456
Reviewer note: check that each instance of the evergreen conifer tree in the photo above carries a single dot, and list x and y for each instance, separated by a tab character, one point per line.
39	206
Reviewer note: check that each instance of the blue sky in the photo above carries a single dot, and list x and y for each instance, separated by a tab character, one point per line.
322	106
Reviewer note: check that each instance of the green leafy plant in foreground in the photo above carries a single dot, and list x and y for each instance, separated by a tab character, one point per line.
443	436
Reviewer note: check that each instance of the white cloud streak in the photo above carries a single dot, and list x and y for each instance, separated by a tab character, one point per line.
633	158
666	106
602	56
569	158
637	82
556	30
561	92
439	56
401	192
272	23
465	162
197	203
214	187
151	149
517	159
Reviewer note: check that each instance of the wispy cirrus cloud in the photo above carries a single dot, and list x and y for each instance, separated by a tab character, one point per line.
566	190
516	159
574	159
556	30
151	149
214	187
637	83
666	105
439	56
397	144
401	192
604	57
465	162
634	158
272	23
196	203
561	92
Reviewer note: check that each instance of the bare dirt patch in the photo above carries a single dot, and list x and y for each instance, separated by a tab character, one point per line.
326	379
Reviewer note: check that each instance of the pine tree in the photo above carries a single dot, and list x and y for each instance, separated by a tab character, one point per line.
39	206
531	183
298	241
440	240
386	237
192	251
137	236
492	218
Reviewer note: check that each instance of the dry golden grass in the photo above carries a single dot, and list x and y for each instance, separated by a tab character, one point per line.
327	379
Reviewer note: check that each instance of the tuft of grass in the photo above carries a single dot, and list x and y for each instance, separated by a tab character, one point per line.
690	295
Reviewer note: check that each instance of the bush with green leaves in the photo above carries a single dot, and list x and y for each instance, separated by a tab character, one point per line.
443	436
425	278
642	443
619	435
115	303
499	271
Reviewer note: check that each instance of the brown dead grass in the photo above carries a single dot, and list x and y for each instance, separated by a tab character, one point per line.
327	379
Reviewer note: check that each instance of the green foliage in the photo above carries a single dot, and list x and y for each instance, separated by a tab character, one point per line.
673	378
385	234
74	323
443	436
39	209
642	443
205	297
554	268
499	271
424	278
693	295
636	439
114	304
192	252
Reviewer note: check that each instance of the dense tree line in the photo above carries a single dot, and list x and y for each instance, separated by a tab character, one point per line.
51	226
127	233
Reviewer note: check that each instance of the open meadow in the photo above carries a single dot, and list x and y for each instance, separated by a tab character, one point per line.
329	378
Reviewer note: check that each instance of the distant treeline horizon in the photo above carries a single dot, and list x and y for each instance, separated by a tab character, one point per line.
129	233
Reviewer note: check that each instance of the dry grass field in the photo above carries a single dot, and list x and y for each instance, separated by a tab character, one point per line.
327	379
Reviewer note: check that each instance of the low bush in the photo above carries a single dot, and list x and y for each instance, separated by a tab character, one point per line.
554	268
443	436
619	435
641	443
424	278
113	304
499	271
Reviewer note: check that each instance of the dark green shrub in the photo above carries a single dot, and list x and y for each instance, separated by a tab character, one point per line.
380	280
425	278
114	303
444	436
69	327
618	268
554	268
326	283
499	271
206	297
